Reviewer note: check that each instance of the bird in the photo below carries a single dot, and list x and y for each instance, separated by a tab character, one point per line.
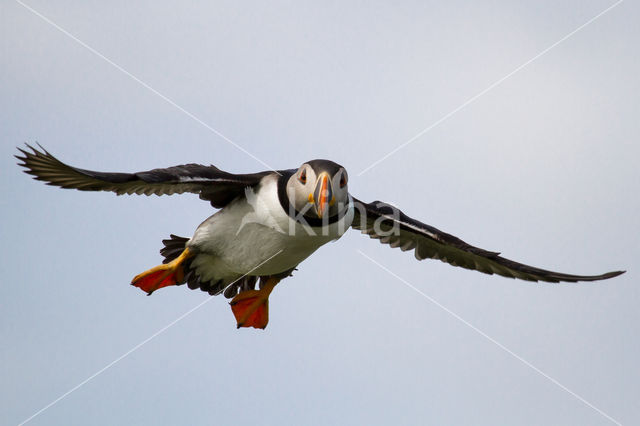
267	223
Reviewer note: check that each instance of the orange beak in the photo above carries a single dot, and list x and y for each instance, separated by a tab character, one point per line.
323	194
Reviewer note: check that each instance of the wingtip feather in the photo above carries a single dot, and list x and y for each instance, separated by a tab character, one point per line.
612	274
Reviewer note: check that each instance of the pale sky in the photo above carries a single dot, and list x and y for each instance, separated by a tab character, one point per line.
542	167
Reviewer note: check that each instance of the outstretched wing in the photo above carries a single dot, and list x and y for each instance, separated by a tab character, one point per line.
211	183
391	226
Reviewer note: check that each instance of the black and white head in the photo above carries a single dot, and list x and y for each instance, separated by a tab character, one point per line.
319	188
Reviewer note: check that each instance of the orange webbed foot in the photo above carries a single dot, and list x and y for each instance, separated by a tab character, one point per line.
162	275
251	307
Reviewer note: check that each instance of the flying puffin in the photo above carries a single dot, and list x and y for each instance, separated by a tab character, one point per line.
267	224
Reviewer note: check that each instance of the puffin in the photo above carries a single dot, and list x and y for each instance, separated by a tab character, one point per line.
267	223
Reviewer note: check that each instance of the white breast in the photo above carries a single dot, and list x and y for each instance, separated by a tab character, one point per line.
250	230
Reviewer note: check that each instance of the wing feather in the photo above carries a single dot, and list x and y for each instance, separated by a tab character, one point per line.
209	182
391	226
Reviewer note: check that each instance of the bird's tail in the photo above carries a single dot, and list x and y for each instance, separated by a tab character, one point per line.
172	250
173	247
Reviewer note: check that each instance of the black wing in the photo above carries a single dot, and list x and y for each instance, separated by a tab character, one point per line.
379	220
211	183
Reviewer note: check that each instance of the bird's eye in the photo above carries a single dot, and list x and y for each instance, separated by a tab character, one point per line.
343	181
303	176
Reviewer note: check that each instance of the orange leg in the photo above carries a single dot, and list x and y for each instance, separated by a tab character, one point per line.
251	307
162	275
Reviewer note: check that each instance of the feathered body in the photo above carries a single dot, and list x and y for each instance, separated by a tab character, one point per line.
236	240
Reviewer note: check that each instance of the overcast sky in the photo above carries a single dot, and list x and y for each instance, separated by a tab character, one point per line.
542	167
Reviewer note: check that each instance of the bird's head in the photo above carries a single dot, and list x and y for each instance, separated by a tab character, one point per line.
319	187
